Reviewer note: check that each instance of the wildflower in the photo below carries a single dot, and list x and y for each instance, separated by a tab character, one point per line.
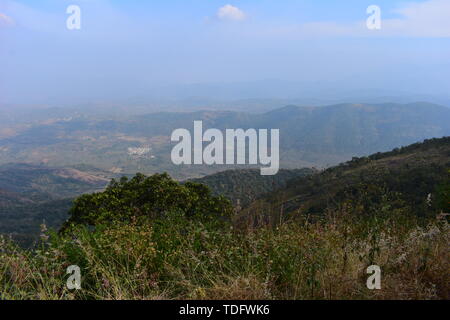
106	283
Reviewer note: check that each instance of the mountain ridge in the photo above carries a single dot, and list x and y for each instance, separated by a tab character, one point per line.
410	175
309	136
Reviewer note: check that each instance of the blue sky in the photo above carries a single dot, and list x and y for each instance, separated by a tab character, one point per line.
125	48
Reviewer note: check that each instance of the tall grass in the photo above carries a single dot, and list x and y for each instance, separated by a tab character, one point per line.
177	258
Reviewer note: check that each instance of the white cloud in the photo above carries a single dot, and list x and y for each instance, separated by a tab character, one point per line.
229	12
427	19
5	20
30	18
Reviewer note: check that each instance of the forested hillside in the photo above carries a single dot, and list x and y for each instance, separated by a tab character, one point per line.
34	195
31	195
412	178
244	186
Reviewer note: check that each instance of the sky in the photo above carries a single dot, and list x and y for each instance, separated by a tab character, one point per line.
130	48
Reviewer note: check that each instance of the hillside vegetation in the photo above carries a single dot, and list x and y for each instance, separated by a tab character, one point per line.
154	238
37	194
246	185
33	194
411	177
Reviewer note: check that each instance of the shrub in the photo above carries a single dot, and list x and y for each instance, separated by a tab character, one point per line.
150	197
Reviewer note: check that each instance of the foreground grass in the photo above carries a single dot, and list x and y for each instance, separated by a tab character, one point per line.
175	258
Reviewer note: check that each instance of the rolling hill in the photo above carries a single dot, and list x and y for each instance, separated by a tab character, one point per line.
33	194
246	185
310	136
408	177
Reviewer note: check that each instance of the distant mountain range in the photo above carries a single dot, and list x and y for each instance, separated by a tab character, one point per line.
310	136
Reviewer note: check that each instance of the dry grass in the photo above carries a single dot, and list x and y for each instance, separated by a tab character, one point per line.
179	259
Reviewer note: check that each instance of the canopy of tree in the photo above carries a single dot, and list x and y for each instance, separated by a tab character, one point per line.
151	197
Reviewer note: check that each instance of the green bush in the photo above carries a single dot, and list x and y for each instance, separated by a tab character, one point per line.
151	197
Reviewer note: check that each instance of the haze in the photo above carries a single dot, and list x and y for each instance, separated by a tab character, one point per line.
210	48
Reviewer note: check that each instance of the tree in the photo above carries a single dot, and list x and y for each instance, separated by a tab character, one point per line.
152	197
